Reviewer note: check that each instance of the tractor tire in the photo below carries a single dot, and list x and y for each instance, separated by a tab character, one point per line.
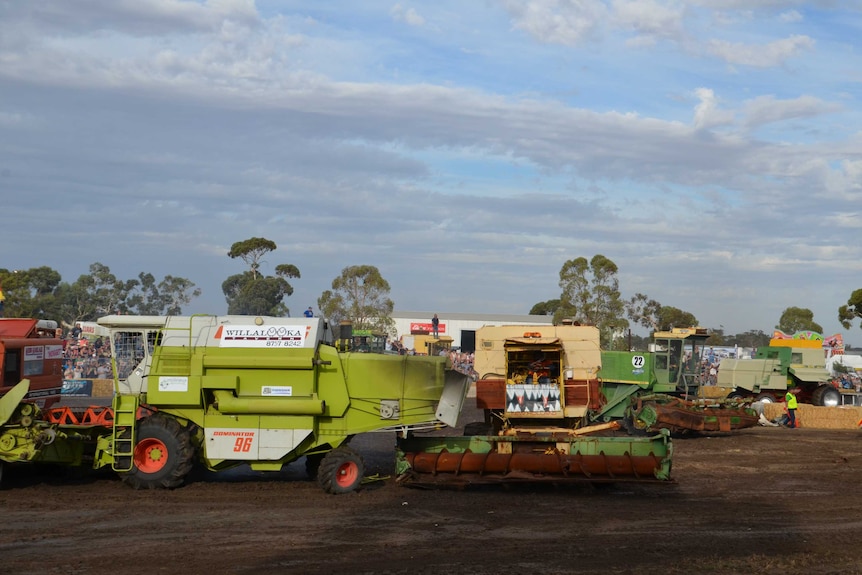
826	396
312	464
341	471
765	398
163	454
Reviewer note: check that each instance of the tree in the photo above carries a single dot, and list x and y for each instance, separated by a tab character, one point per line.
795	319
105	294
549	307
252	293
716	337
165	298
359	295
670	317
853	309
30	293
591	296
753	338
643	311
39	293
250	251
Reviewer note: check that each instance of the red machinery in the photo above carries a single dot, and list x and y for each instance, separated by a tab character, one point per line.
30	350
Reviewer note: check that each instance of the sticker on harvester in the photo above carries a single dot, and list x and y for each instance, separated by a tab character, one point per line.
227	443
173	383
53	352
34	352
280	390
262	336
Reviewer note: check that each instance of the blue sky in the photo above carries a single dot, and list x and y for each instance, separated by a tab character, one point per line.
710	148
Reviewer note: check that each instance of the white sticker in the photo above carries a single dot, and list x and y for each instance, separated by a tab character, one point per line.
34	352
173	383
273	336
282	390
227	443
638	361
53	352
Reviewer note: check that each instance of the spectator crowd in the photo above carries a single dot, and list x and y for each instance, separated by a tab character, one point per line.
85	357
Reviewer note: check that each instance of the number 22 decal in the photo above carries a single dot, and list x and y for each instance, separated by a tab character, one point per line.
638	361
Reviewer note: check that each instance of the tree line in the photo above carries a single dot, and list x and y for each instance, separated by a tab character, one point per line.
589	294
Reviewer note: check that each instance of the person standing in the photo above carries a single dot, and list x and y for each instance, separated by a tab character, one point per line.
435	325
309	312
792	405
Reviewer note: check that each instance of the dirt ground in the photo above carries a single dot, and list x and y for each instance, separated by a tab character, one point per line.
763	500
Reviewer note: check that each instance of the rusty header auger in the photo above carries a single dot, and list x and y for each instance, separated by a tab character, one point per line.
523	456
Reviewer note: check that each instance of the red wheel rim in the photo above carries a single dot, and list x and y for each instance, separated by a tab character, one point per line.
347	474
150	455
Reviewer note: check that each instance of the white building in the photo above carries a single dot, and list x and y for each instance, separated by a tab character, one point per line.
461	327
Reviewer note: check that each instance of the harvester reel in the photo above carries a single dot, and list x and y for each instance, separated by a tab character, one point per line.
163	454
341	471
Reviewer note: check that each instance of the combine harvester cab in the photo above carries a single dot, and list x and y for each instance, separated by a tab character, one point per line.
261	391
661	389
537	386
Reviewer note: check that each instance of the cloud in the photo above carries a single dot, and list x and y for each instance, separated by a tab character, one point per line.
790	17
482	156
407	15
649	20
768	109
707	114
760	56
135	17
566	22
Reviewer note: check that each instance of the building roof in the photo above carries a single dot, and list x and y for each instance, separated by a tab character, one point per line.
497	318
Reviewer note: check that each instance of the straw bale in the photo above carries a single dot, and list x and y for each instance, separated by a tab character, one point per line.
818	417
714	392
103	387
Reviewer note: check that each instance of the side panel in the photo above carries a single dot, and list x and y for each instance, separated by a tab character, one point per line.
627	367
751	374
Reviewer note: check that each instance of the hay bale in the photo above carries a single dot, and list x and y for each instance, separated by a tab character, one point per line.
103	388
818	417
713	392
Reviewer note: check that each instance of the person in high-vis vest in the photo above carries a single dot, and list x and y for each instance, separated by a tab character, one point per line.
790	400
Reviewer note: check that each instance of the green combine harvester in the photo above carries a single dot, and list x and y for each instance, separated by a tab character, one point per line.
222	391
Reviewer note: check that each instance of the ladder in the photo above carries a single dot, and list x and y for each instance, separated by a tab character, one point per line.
125	415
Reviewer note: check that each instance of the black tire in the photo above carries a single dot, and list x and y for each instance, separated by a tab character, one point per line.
826	396
312	464
341	471
163	454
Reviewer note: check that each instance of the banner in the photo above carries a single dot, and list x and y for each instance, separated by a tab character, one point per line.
416	326
77	388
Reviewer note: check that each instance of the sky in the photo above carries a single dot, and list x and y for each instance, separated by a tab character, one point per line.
710	148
